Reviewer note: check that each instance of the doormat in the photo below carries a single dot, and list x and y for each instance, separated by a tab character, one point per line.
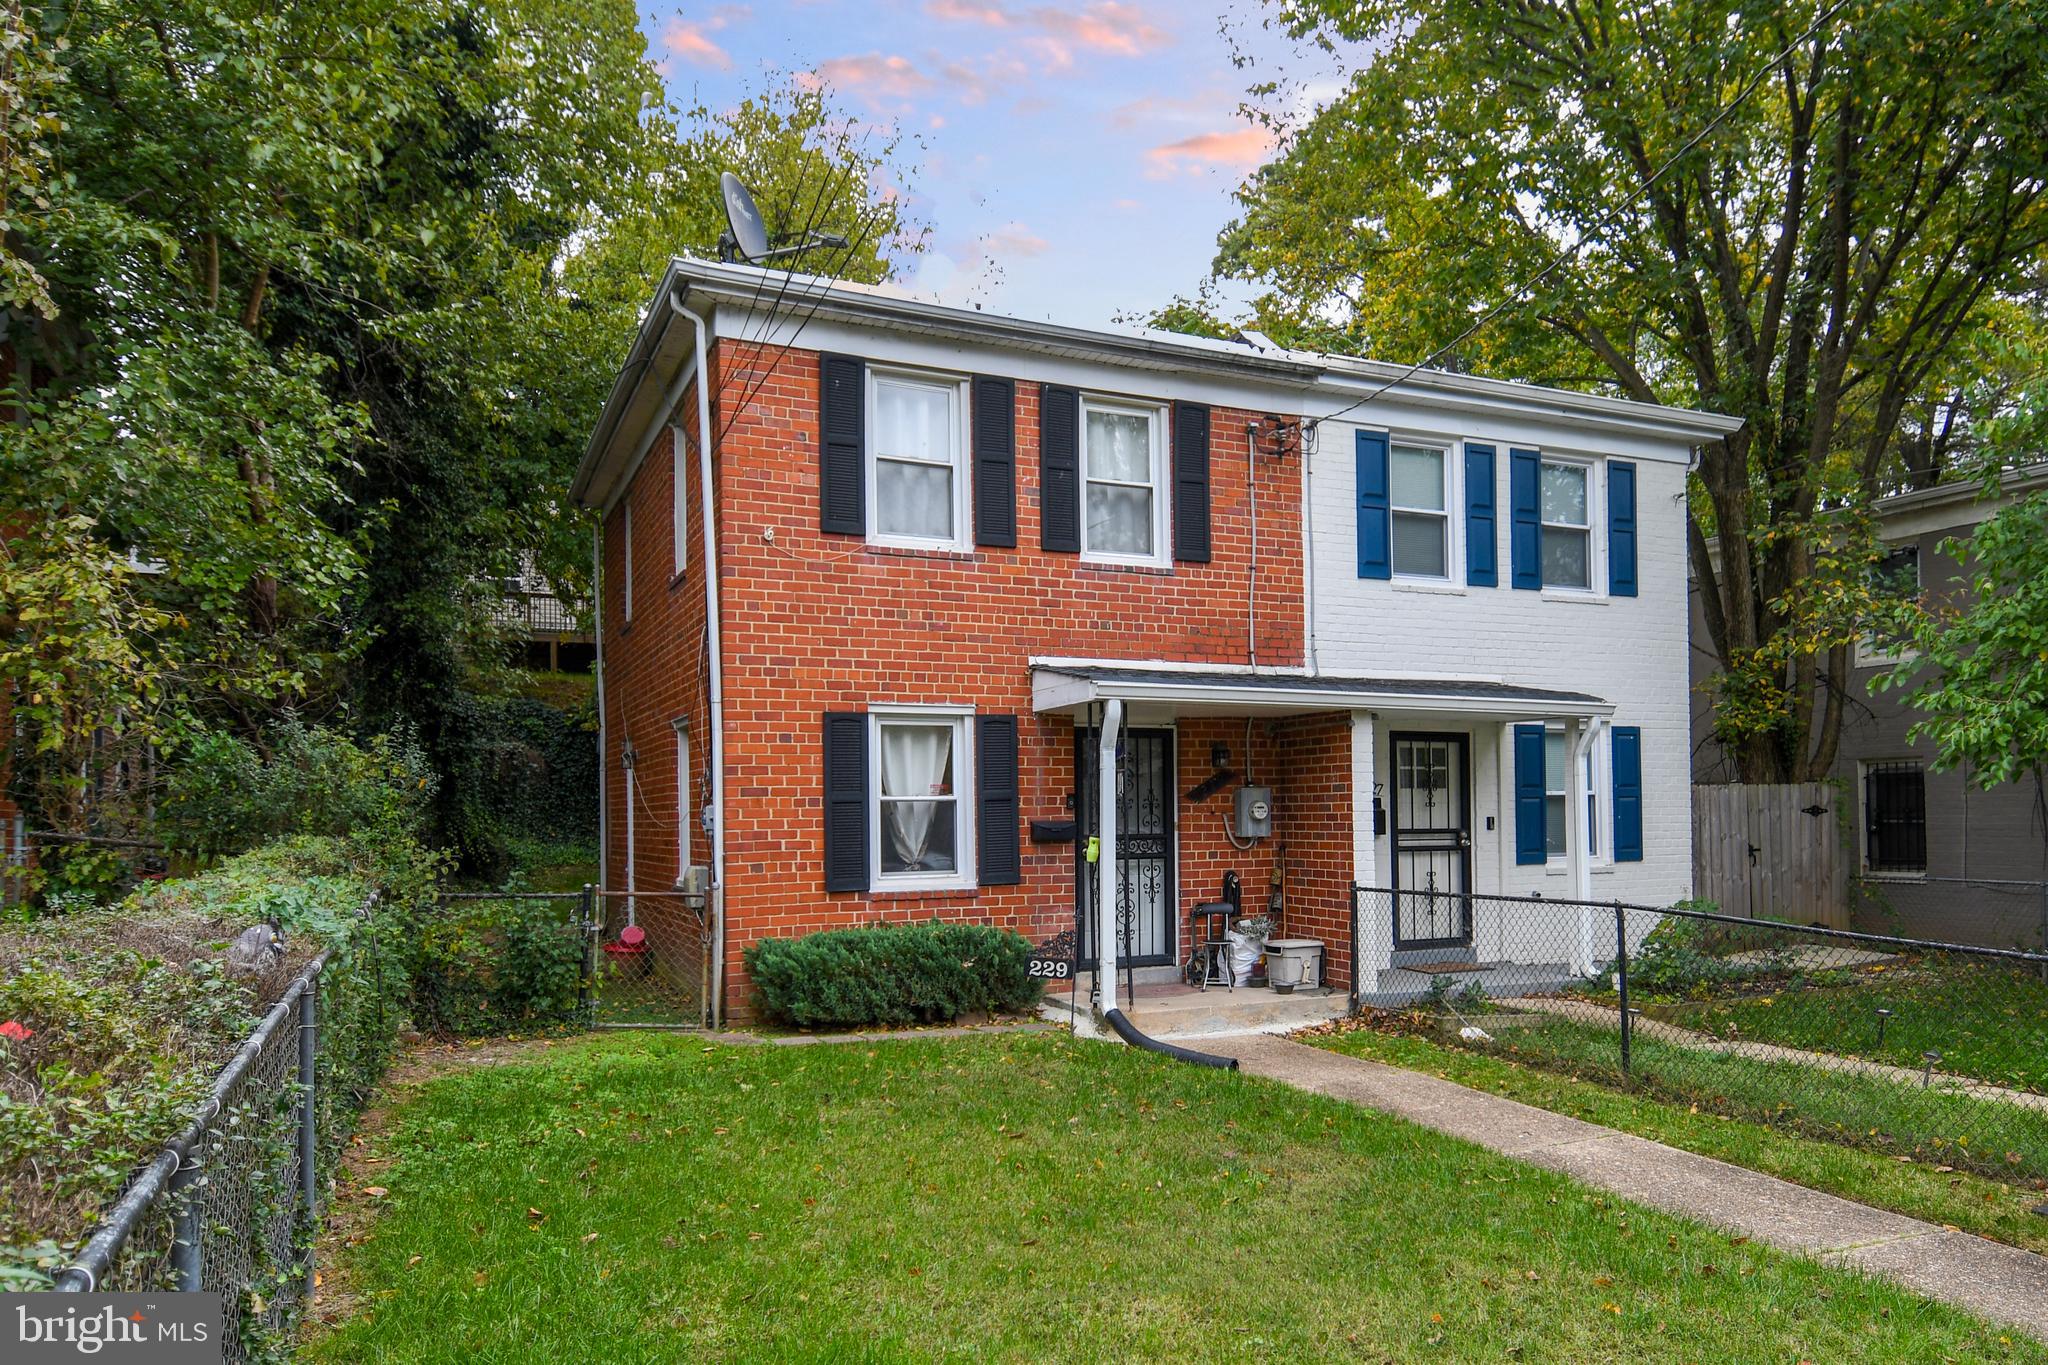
1448	968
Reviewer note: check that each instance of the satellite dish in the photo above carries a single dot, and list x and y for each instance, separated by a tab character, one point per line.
746	237
748	234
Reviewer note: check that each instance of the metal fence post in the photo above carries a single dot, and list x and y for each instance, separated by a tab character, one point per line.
188	1255
1621	983
308	1118
586	1002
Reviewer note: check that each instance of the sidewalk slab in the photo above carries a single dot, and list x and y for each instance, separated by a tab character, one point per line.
1995	1281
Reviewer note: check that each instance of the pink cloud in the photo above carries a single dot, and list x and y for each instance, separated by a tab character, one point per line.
1115	27
1015	239
1240	149
690	39
875	75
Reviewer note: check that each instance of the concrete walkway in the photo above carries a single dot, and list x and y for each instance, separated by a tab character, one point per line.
1991	1279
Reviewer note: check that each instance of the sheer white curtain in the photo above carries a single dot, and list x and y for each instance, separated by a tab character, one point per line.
917	764
914	460
1119	483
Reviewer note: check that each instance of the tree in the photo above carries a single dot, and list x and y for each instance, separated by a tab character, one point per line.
1799	214
1978	668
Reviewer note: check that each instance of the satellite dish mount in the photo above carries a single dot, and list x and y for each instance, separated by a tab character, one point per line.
745	238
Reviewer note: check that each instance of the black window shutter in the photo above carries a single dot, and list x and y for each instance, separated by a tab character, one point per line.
1059	469
995	461
1191	483
846	801
997	861
842	445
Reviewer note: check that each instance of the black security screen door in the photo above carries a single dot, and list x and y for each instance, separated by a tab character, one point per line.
1144	853
1432	842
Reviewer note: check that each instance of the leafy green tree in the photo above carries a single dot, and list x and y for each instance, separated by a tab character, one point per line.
1795	213
1978	668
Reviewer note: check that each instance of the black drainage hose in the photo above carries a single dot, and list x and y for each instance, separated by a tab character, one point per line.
1128	1031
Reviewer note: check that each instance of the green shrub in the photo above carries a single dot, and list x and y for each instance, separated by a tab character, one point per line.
494	966
892	974
125	1015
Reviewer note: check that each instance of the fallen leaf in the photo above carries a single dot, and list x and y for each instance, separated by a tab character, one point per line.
589	1237
375	1191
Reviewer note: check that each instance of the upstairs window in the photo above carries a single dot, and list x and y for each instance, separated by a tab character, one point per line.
1567	522
1123	512
918	487
1895	576
1420	508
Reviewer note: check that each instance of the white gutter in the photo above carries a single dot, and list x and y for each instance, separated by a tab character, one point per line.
714	648
1105	854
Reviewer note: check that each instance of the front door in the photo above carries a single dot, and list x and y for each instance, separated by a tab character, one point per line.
1432	842
1143	872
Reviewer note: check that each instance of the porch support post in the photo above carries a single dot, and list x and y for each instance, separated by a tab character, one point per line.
1105	855
1578	869
1376	925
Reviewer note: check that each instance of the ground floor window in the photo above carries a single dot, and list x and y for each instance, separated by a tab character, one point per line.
924	831
1895	817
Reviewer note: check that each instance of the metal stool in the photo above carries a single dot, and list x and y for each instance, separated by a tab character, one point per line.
1209	921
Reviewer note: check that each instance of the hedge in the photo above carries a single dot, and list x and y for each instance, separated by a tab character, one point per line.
124	1016
892	974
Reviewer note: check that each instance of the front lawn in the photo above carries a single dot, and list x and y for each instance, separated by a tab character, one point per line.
1028	1197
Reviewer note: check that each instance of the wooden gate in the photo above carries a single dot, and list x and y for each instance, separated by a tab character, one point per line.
1771	852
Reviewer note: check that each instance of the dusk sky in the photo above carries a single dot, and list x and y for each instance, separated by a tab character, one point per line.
1076	159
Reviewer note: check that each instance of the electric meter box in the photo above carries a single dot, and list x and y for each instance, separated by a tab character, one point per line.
1254	812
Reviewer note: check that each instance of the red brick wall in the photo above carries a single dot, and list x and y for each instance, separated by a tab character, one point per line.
815	623
1312	802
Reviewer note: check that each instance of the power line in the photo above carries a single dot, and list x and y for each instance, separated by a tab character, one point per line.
1515	295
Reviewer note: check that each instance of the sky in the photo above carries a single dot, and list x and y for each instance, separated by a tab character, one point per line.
1074	160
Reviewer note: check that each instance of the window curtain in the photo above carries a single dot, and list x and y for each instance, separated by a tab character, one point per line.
1120	449
916	762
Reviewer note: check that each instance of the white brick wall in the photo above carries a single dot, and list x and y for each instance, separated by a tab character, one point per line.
1631	651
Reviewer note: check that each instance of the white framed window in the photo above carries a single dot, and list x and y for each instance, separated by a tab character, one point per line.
626	561
683	799
1564	498
1419	482
1896	574
921	786
1557	792
681	499
1123	464
917	461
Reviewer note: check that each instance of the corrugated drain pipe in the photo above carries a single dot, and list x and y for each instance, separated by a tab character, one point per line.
1131	1034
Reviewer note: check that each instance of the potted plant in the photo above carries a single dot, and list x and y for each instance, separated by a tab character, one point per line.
1247	944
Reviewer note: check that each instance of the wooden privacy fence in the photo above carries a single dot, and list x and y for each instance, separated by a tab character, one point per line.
1771	852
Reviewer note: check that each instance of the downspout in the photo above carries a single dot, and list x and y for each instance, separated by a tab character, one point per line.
1105	914
1308	545
604	753
1251	491
716	652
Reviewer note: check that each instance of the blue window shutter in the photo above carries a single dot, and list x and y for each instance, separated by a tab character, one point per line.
1375	532
1482	541
1627	744
1621	528
1532	843
1525	536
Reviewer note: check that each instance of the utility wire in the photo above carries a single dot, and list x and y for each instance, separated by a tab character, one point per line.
1515	296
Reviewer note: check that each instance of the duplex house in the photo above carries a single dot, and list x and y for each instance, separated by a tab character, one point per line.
911	611
1933	855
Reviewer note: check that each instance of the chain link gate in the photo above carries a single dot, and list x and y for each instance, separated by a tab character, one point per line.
647	959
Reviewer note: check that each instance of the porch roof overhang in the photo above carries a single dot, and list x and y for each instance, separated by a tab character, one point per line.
1069	688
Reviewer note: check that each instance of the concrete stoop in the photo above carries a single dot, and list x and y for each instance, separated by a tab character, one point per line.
1175	1014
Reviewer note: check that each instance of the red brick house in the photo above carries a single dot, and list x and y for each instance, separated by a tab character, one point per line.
948	551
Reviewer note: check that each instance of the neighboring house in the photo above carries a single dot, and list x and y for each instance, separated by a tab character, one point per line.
549	637
952	552
1934	855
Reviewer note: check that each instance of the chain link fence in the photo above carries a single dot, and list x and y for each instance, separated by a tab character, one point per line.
1937	1051
229	1205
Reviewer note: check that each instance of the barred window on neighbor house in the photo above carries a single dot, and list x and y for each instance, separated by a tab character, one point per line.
1895	817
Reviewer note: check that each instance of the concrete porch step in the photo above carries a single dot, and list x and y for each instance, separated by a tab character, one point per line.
1177	1012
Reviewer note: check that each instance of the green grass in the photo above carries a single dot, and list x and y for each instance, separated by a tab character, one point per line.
1987	1019
1883	1114
1954	1198
1029	1198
